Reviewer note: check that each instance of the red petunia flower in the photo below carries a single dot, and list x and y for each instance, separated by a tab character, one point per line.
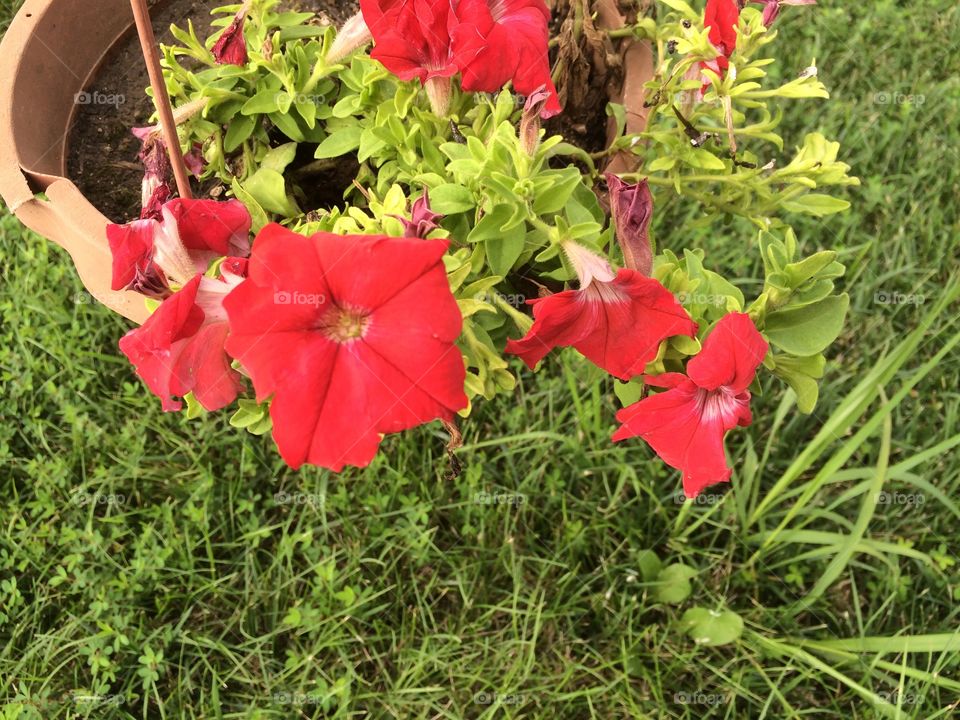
352	336
189	235
686	424
499	41
180	348
231	47
412	37
615	321
721	17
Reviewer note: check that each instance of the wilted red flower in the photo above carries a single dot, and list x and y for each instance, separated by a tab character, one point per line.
131	246
721	17
771	9
231	47
155	187
353	336
499	41
189	235
180	348
631	208
615	321
423	220
686	424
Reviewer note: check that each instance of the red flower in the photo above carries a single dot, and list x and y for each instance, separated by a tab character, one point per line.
179	348
498	41
189	235
721	17
616	321
231	47
353	336
686	424
412	36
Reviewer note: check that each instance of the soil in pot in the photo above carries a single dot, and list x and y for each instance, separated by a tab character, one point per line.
102	153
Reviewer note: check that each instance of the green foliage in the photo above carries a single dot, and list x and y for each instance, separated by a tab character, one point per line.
539	608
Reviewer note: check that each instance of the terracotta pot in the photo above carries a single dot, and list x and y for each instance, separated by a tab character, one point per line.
50	53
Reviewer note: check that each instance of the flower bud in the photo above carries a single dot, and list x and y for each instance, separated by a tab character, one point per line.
631	208
530	120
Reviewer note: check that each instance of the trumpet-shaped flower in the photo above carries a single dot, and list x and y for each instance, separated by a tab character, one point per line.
686	425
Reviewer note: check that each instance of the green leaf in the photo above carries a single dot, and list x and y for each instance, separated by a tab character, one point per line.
449	199
712	627
263	103
269	190
503	250
253	417
649	565
340	142
491	225
816	204
628	392
801	374
241	128
673	584
809	329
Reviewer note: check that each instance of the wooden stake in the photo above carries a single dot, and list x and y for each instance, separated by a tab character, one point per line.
151	56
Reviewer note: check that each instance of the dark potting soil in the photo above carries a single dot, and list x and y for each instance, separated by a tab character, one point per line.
102	156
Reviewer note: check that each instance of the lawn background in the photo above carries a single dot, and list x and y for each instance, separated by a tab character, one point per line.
155	567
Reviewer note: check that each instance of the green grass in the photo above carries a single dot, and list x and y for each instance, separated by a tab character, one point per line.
154	567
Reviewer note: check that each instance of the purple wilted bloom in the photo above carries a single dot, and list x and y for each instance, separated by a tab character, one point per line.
631	207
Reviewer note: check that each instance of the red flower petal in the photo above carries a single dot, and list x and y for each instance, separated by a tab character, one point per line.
353	336
411	37
722	18
131	246
175	352
617	325
686	424
730	355
503	41
212	227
